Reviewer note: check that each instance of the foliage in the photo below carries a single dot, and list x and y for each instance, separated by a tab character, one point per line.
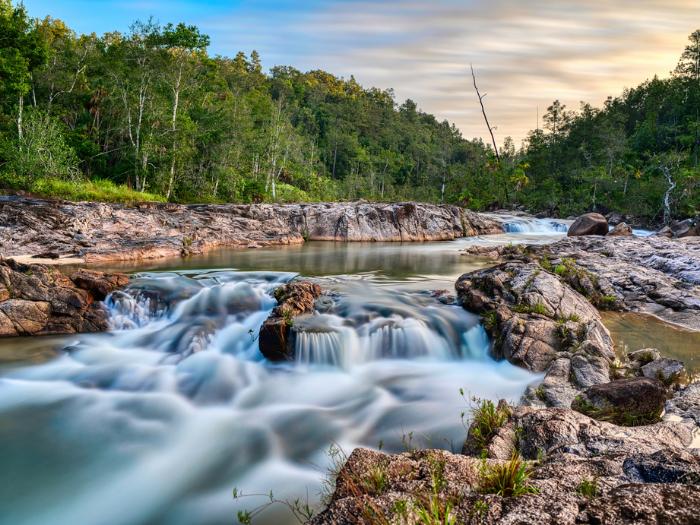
152	110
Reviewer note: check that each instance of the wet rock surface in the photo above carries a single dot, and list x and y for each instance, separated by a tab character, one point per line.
107	232
276	339
39	300
633	401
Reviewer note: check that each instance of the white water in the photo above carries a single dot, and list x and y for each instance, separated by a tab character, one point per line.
159	420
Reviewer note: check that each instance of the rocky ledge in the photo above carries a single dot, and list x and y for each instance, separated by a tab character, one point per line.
653	275
547	466
40	300
95	232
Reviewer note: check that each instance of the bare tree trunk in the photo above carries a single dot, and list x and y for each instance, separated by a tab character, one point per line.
176	103
667	195
19	117
483	112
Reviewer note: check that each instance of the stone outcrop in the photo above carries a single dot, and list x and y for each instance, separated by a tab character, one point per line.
651	275
276	340
36	299
589	224
539	322
97	232
578	471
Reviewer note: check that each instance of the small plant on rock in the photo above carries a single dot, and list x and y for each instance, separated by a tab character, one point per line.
588	488
487	418
508	479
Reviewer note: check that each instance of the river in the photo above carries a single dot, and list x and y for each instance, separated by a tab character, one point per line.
157	421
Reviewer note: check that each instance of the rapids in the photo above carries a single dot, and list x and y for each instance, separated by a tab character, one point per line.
158	420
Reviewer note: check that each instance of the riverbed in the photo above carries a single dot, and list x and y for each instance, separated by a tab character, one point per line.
160	419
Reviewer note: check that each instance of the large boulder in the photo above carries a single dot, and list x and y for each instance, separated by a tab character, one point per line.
589	224
629	402
276	340
37	299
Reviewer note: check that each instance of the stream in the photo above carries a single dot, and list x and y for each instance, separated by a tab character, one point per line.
156	421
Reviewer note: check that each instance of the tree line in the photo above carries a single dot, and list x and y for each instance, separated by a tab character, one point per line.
151	114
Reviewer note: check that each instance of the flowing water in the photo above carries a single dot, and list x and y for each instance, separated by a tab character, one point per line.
158	420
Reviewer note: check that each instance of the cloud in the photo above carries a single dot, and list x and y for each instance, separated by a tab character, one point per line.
526	53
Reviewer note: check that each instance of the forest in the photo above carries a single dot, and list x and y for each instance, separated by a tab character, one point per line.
151	115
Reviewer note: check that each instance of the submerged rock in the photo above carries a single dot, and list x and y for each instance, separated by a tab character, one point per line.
276	340
37	299
628	402
589	224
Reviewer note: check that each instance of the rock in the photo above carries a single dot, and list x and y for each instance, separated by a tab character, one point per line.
620	230
536	320
685	228
644	355
589	224
99	284
651	275
663	466
276	340
46	255
668	371
664	232
101	232
37	299
628	402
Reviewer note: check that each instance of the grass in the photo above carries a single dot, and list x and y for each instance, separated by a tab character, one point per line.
95	190
435	510
537	308
588	488
507	479
487	418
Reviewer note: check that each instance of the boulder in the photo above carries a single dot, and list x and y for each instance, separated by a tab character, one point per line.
276	340
668	371
620	230
685	228
589	224
628	402
37	299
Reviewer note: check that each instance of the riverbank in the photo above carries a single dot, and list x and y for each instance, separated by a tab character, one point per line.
89	233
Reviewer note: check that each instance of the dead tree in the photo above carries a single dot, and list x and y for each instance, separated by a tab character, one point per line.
483	112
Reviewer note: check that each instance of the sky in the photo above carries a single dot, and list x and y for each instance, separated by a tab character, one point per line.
526	53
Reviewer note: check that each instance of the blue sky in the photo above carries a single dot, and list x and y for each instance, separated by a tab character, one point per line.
526	53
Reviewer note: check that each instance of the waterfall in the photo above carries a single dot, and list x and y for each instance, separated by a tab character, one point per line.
176	405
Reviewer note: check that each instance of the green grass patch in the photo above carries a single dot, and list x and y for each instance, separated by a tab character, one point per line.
508	479
94	190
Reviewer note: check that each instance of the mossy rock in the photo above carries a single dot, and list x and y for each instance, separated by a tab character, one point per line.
626	402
